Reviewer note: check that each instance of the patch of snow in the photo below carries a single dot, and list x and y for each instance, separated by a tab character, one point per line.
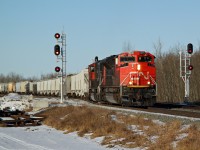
185	127
179	138
98	139
117	140
15	101
88	135
46	138
113	117
12	96
135	129
158	122
153	138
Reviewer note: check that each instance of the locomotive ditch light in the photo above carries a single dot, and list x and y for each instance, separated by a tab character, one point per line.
130	82
190	48
57	35
57	69
57	50
190	67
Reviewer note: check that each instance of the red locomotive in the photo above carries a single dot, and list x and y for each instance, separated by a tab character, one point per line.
127	79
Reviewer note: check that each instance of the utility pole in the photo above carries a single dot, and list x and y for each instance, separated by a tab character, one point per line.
61	54
186	69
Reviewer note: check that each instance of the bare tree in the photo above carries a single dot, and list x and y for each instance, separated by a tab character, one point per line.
127	47
48	76
11	77
158	48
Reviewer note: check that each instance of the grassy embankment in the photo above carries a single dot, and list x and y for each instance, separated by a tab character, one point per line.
121	129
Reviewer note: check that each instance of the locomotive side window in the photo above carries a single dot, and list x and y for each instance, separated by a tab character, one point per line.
144	59
92	69
127	59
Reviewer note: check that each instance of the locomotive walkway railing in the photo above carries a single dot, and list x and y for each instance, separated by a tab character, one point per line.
138	74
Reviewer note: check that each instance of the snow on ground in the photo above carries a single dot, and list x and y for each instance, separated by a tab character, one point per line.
22	102
77	102
16	101
43	137
46	138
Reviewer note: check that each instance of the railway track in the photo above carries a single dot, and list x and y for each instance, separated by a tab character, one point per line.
192	111
10	118
175	112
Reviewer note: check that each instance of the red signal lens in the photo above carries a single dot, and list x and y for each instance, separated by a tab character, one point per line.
190	48
190	51
190	67
57	35
57	50
57	69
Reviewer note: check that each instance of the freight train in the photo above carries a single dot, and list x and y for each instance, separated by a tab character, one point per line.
125	79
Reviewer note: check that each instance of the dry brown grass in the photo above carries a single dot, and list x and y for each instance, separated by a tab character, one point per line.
99	122
167	135
120	129
192	142
29	109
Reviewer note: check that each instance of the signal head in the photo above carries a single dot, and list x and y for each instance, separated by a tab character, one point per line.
57	35
190	67
190	48
57	50
57	69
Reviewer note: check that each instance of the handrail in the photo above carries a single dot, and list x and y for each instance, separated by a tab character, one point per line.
154	83
127	77
146	77
152	80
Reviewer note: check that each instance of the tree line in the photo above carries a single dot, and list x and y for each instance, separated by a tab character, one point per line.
14	77
170	86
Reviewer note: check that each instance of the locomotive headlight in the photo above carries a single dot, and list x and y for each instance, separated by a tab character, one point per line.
138	67
148	82
130	82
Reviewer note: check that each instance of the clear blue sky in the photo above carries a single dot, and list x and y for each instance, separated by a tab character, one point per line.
93	28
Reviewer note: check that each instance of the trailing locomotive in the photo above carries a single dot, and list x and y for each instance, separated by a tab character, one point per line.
127	78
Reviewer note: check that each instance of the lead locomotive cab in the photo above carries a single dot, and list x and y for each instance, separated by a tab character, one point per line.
127	78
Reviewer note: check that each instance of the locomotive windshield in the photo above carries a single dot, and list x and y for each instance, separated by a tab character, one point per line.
127	59
144	59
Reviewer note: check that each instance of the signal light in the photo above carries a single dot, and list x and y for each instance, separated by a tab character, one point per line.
190	67
57	69
138	67
57	35
190	48
57	50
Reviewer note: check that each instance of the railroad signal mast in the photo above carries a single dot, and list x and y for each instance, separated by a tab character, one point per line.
186	69
60	52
